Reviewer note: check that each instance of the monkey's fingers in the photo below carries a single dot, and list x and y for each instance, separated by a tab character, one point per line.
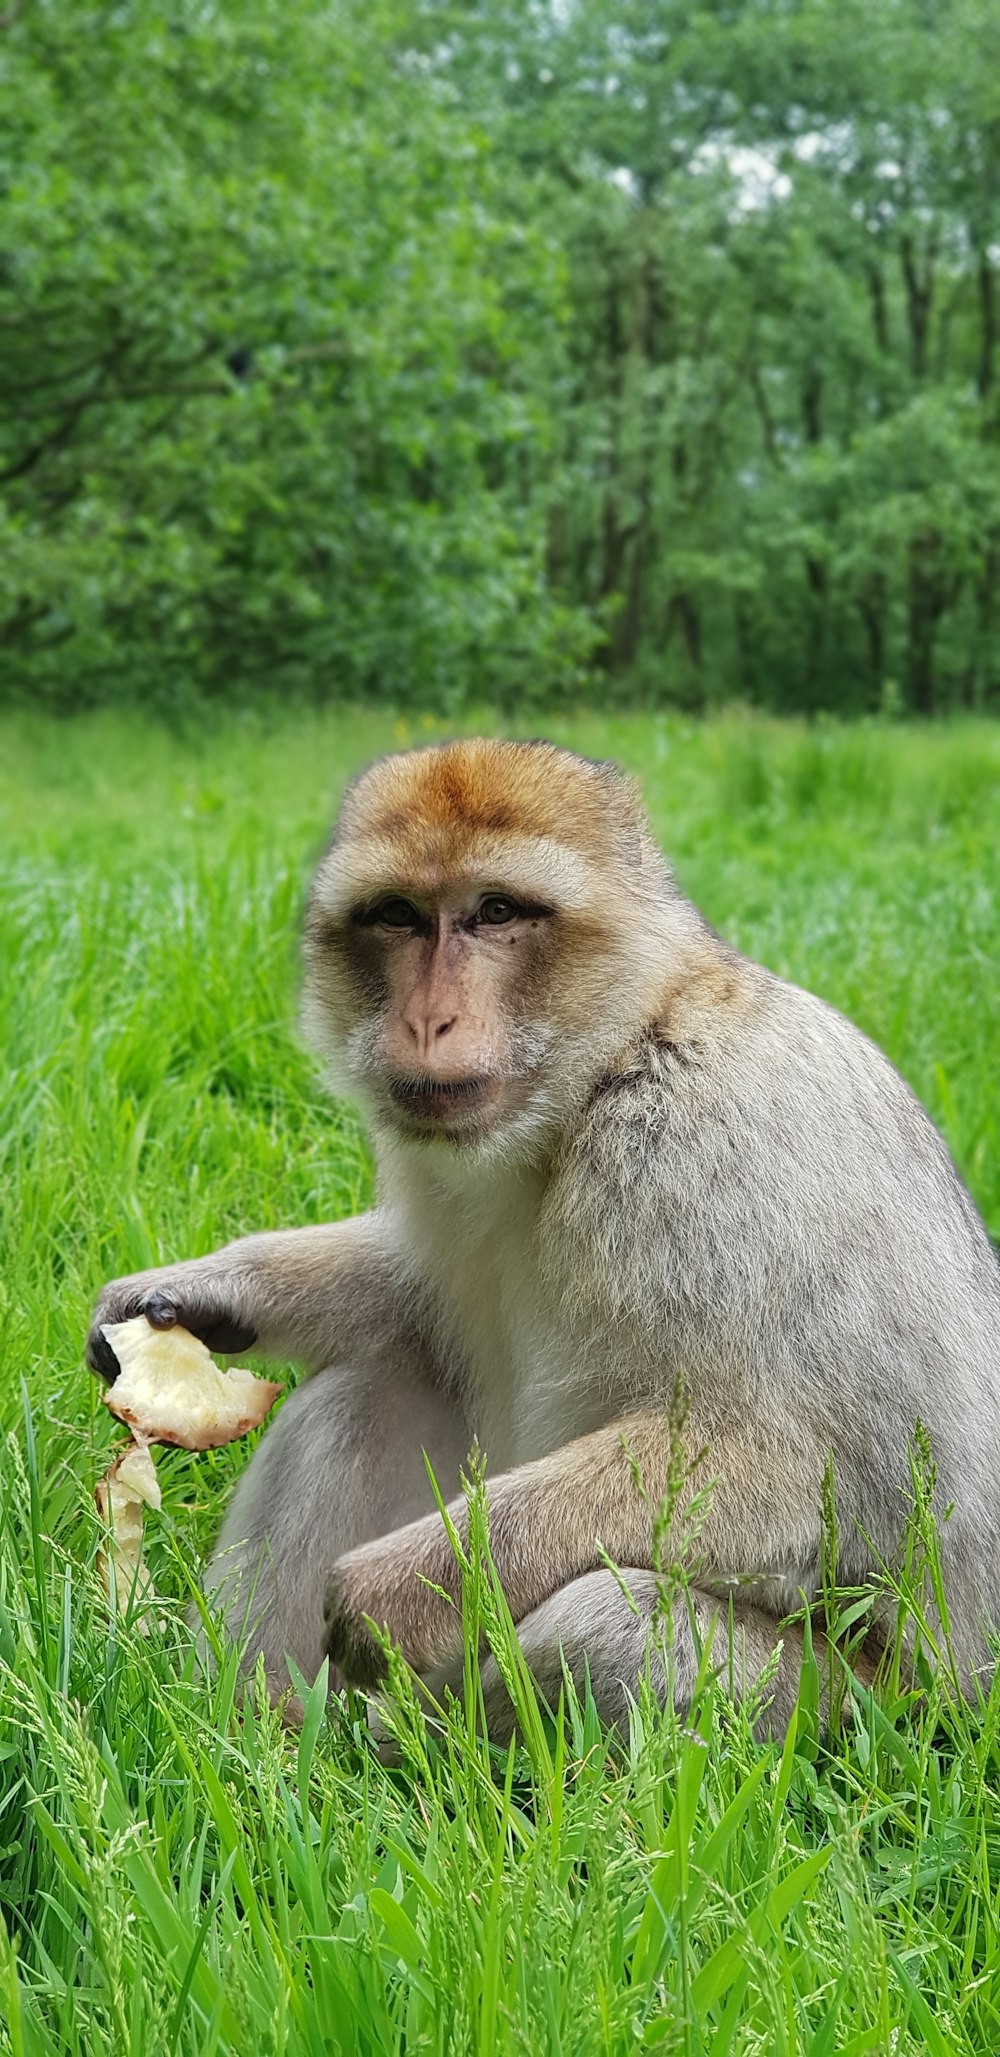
221	1332
350	1643
160	1312
406	1582
100	1356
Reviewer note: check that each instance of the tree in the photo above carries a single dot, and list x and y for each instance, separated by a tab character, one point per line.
778	437
272	393
432	350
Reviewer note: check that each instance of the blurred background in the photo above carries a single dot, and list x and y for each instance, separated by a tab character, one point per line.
389	351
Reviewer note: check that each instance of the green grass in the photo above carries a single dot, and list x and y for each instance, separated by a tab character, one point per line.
176	1874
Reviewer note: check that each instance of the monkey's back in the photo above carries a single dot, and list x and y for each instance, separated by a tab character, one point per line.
793	1240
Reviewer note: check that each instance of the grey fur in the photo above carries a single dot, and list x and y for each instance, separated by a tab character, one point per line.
714	1179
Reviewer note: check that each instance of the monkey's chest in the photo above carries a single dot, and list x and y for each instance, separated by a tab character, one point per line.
528	1386
530	1378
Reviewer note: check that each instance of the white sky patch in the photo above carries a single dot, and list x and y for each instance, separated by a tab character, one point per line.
625	180
756	173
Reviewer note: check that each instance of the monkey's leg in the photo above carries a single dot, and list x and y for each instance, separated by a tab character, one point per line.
342	1463
552	1519
592	1625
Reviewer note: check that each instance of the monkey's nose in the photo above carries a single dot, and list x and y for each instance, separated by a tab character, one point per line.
428	1029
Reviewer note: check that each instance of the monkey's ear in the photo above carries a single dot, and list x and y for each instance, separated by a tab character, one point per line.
627	810
620	795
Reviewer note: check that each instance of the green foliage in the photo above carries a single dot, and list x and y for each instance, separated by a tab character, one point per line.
424	352
779	430
270	364
176	1874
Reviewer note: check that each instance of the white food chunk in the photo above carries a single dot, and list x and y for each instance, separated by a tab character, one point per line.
170	1390
133	1477
129	1486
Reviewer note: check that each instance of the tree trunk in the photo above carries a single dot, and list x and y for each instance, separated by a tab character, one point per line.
985	671
924	607
919	282
986	279
871	607
812	396
612	538
684	613
880	312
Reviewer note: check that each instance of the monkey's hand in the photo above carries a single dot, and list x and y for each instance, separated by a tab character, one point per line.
324	1295
210	1296
554	1519
408	1583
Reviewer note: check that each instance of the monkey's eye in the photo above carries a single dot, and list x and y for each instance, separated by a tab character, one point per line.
496	909
396	914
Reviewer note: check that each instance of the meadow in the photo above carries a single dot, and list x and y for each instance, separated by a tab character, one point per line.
178	1874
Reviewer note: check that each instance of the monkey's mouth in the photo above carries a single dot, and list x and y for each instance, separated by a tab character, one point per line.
441	1103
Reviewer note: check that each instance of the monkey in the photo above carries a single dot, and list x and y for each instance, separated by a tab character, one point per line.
616	1160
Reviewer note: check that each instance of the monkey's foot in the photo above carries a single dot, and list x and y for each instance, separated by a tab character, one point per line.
396	1585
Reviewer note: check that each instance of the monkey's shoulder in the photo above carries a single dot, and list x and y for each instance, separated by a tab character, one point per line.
763	1106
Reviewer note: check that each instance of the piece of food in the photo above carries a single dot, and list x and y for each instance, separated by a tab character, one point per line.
170	1390
127	1488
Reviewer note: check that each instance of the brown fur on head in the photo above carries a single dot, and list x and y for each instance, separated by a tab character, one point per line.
481	907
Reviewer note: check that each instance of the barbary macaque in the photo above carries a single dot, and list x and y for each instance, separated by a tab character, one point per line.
616	1160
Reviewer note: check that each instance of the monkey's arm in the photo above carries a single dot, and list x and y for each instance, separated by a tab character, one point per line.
556	1518
310	1294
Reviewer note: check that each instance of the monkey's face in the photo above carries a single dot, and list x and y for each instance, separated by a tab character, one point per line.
469	930
450	986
